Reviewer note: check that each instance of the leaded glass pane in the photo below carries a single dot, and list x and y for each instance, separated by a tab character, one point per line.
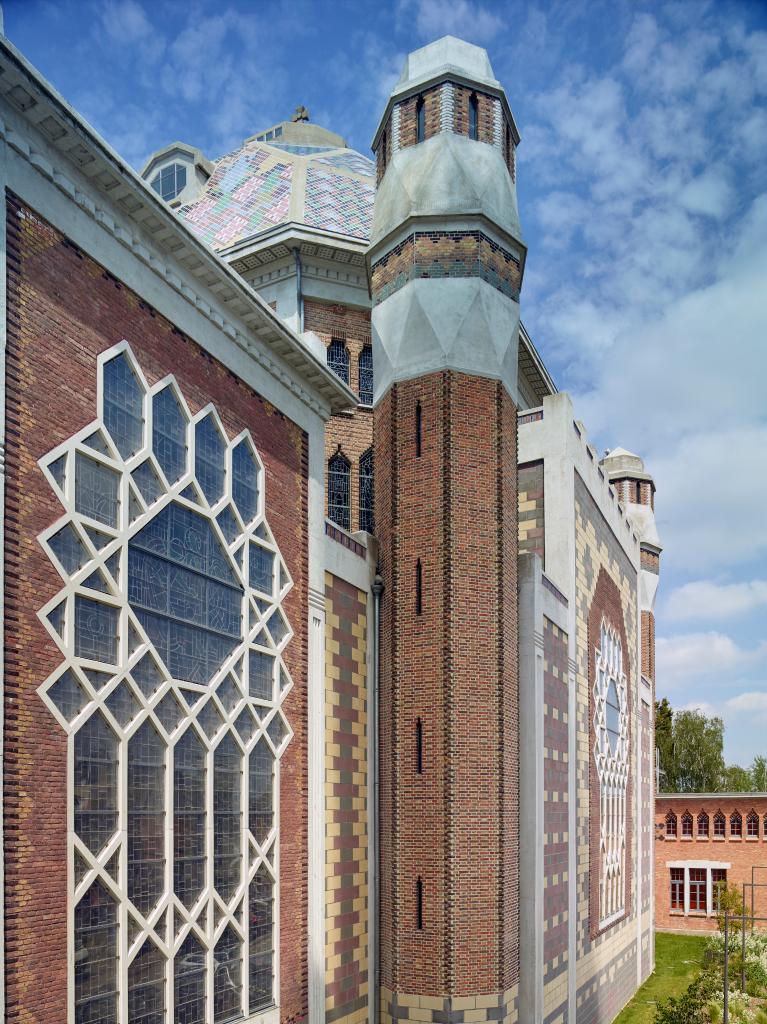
245	481
68	695
261	792
123	406
95	783
96	958
123	704
277	731
69	549
613	717
169	434
147	675
339	491
229	525
96	581
209	459
366	491
189	982
227	980
146	986
229	694
277	626
96	630
338	359
227	817
260	917
366	375
261	568
96	490
189	818
146	818
261	675
147	482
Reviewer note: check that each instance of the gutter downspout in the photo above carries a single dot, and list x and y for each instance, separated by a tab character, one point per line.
299	291
374	964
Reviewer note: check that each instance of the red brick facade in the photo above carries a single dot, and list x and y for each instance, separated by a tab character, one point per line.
746	856
63	310
555	785
455	824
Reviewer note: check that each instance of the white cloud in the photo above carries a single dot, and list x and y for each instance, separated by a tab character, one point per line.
699	705
708	194
695	656
705	599
463	18
752	701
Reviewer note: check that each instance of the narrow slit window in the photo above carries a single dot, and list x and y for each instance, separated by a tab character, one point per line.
418	587
419	746
418	428
367	493
366	375
420	120
339	491
473	117
419	904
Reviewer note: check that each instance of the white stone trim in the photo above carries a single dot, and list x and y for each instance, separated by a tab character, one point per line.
447	107
253	855
395	129
498	125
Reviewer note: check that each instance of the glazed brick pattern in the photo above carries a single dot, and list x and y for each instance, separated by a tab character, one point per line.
63	310
555	806
455	825
741	854
443	254
350	432
650	560
346	779
485	113
496	1007
432	102
648	647
627	491
600	999
531	509
606	604
647	783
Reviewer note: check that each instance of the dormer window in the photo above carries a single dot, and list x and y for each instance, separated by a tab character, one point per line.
170	181
420	120
473	117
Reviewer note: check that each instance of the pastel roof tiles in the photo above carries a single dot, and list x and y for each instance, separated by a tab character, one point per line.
260	185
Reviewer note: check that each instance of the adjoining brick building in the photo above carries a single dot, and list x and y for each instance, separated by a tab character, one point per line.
328	677
704	840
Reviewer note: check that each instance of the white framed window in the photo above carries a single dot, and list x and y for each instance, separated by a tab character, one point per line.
611	754
172	635
170	181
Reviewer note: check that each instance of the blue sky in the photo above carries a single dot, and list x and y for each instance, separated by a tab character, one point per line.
643	194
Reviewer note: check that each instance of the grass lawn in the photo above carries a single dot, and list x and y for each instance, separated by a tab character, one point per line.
678	959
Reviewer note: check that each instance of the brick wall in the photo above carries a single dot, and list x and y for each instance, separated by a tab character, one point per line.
455	825
531	508
350	432
346	810
648	647
63	310
742	854
485	113
441	254
432	101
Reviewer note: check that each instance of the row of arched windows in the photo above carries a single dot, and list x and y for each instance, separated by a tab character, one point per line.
703	824
339	491
338	362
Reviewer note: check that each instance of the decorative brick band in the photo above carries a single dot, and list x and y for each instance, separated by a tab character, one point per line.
477	1009
438	254
552	589
650	560
344	540
530	417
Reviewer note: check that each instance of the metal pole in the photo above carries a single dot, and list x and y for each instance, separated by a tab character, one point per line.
726	983
743	943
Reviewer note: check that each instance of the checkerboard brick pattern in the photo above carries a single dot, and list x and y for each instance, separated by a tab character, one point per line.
531	509
346	808
63	310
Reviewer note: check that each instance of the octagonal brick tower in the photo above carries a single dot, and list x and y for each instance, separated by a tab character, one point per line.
446	262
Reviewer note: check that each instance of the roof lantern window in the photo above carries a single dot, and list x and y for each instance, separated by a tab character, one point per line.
170	181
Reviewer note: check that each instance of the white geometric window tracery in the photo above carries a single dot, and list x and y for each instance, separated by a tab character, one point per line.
611	756
172	634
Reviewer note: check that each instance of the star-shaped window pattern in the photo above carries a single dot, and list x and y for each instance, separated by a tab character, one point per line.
172	633
611	754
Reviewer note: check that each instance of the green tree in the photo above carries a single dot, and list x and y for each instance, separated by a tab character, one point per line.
664	741
759	774
737	780
698	758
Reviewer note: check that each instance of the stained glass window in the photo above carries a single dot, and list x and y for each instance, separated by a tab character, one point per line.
261	675
189	982
146	986
169	434
338	359
227	980
261	568
227	817
339	491
123	406
260	927
367	492
245	481
95	772
209	459
96	958
189	818
261	801
366	375
96	490
146	818
96	630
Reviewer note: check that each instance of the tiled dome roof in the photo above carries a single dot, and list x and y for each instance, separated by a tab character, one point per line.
264	184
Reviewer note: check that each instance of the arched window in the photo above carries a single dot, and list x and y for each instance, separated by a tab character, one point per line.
687	825
473	117
367	492
671	825
719	824
339	491
338	359
420	120
736	825
366	375
703	825
752	825
168	182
